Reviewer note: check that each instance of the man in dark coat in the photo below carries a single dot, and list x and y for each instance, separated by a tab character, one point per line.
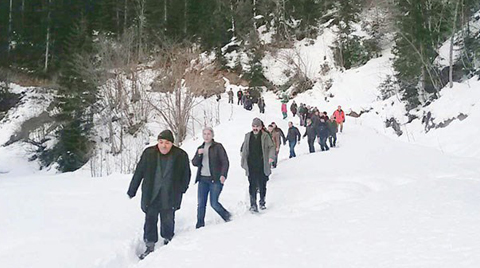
315	117
332	131
164	172
293	135
212	162
302	112
240	97
230	96
248	102
258	152
322	133
311	133
261	105
293	108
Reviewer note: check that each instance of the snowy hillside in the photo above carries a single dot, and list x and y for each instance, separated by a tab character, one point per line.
378	200
373	202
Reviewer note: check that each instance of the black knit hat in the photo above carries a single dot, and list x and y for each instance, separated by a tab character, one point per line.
166	135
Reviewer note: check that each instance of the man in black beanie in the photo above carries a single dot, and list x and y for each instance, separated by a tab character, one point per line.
165	172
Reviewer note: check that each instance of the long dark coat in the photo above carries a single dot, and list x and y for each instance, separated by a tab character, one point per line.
217	160
177	183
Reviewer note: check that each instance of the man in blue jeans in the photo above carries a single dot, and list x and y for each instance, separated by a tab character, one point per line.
212	162
293	136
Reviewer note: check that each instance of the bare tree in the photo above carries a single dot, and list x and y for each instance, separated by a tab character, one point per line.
302	67
182	77
123	106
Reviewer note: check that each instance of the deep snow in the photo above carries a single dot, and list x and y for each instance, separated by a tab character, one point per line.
375	201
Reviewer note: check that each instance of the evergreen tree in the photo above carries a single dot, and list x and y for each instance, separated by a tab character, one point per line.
75	99
422	27
348	50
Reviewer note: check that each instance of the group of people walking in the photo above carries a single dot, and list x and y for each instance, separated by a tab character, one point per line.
318	126
245	99
164	171
164	175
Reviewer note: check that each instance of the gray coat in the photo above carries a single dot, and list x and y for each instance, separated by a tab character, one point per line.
268	151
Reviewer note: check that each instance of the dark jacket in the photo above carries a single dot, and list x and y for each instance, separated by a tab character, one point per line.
261	103
322	129
315	120
332	127
293	108
217	160
248	103
177	182
311	132
302	110
293	134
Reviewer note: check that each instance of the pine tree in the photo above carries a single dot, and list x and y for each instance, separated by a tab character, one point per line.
422	27
349	50
75	99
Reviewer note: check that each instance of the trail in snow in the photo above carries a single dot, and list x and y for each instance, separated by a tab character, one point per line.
372	202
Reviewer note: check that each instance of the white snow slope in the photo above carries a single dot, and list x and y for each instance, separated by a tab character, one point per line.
374	201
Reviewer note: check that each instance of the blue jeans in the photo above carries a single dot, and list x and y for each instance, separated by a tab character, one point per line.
322	140
205	186
292	148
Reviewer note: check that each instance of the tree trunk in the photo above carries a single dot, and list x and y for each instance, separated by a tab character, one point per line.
117	18
23	13
141	24
232	18
165	14
452	39
47	41
125	14
10	21
255	14
185	18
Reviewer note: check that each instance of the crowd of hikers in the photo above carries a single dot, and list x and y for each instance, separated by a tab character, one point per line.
246	99
163	171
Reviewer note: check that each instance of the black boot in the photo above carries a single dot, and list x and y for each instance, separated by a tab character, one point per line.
262	204
253	202
199	225
150	249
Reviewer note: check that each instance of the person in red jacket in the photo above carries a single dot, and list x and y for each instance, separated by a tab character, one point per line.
339	117
284	110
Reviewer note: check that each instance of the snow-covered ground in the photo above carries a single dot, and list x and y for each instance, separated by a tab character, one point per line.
375	201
